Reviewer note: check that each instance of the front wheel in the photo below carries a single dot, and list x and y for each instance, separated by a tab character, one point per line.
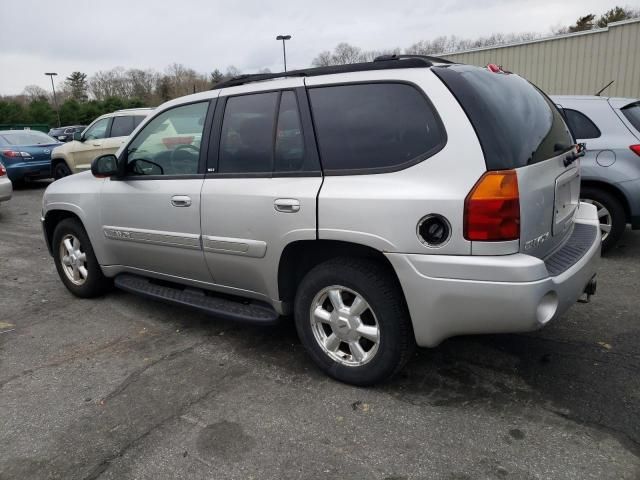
610	214
75	261
353	321
60	170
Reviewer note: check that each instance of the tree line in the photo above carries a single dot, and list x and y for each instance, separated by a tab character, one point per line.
81	99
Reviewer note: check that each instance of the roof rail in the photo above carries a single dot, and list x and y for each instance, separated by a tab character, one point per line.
407	61
427	58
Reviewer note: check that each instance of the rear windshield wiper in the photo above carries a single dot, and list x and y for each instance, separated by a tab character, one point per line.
574	155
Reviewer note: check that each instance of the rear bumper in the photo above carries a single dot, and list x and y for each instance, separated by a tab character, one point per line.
460	295
6	189
29	170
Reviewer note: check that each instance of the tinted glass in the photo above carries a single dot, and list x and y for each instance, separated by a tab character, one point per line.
122	126
97	130
289	153
580	124
24	137
632	112
517	125
170	143
246	142
373	126
137	120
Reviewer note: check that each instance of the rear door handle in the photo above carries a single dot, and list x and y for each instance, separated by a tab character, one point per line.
181	201
287	205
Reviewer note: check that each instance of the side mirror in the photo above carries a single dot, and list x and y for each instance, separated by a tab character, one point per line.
77	136
104	166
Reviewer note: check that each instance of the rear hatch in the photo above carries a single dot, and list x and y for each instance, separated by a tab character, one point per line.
520	129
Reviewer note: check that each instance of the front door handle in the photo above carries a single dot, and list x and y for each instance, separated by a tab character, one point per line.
181	201
287	205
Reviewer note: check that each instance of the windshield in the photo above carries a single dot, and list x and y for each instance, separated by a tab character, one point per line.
23	137
516	123
632	112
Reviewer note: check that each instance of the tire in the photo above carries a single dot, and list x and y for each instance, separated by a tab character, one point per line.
89	281
61	169
385	310
613	216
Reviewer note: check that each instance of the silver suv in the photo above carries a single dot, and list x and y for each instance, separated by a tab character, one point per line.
383	204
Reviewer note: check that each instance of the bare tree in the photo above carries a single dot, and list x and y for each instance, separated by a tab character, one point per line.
34	92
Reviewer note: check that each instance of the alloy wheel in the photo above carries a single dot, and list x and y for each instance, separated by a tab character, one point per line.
73	259
345	326
604	217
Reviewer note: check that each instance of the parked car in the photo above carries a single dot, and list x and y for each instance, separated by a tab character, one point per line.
6	188
105	135
610	127
421	200
26	154
65	134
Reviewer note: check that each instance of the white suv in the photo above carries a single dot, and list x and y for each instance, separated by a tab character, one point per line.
383	204
105	135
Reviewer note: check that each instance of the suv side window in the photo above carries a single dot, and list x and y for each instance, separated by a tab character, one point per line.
97	130
289	149
246	141
374	127
122	126
581	126
170	143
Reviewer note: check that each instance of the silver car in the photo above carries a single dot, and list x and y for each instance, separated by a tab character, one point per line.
610	127
383	204
6	187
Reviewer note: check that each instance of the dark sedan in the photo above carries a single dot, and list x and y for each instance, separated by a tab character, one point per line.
65	134
26	154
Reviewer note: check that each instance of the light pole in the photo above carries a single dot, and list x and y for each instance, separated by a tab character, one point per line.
284	49
55	100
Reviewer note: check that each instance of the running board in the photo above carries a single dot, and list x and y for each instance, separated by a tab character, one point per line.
227	308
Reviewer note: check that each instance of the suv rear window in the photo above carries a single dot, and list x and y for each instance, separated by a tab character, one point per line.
632	112
516	123
369	128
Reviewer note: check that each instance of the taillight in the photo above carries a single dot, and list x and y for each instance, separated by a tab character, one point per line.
3	171
635	149
492	208
15	154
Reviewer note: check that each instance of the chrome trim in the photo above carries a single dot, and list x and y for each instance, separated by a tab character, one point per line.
153	237
234	246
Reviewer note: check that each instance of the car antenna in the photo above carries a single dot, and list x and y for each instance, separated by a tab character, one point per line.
604	88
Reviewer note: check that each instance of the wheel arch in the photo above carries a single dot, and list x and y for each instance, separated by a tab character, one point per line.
300	256
613	190
51	219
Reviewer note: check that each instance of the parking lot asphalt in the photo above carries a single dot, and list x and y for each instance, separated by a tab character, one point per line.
123	387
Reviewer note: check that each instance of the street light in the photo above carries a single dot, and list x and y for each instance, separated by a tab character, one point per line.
55	100
284	49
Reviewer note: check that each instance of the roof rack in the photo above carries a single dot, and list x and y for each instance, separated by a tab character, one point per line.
383	62
426	58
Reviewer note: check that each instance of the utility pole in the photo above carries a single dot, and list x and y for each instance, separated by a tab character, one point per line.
55	100
284	49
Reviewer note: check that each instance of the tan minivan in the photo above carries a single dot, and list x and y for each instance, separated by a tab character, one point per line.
103	136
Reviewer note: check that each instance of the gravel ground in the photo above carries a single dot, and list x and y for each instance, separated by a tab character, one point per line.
122	387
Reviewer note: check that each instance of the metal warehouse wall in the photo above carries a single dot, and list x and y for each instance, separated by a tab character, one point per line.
577	63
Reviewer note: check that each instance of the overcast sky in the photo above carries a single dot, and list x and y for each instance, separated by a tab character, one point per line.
63	36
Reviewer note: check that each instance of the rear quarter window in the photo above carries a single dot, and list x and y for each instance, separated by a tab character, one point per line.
516	123
632	112
376	127
581	125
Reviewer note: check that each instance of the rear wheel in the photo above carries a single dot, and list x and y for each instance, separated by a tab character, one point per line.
352	319
61	169
610	214
75	261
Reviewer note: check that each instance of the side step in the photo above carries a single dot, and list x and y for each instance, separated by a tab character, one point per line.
228	308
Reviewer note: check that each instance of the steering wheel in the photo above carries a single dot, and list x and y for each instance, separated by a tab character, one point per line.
184	162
